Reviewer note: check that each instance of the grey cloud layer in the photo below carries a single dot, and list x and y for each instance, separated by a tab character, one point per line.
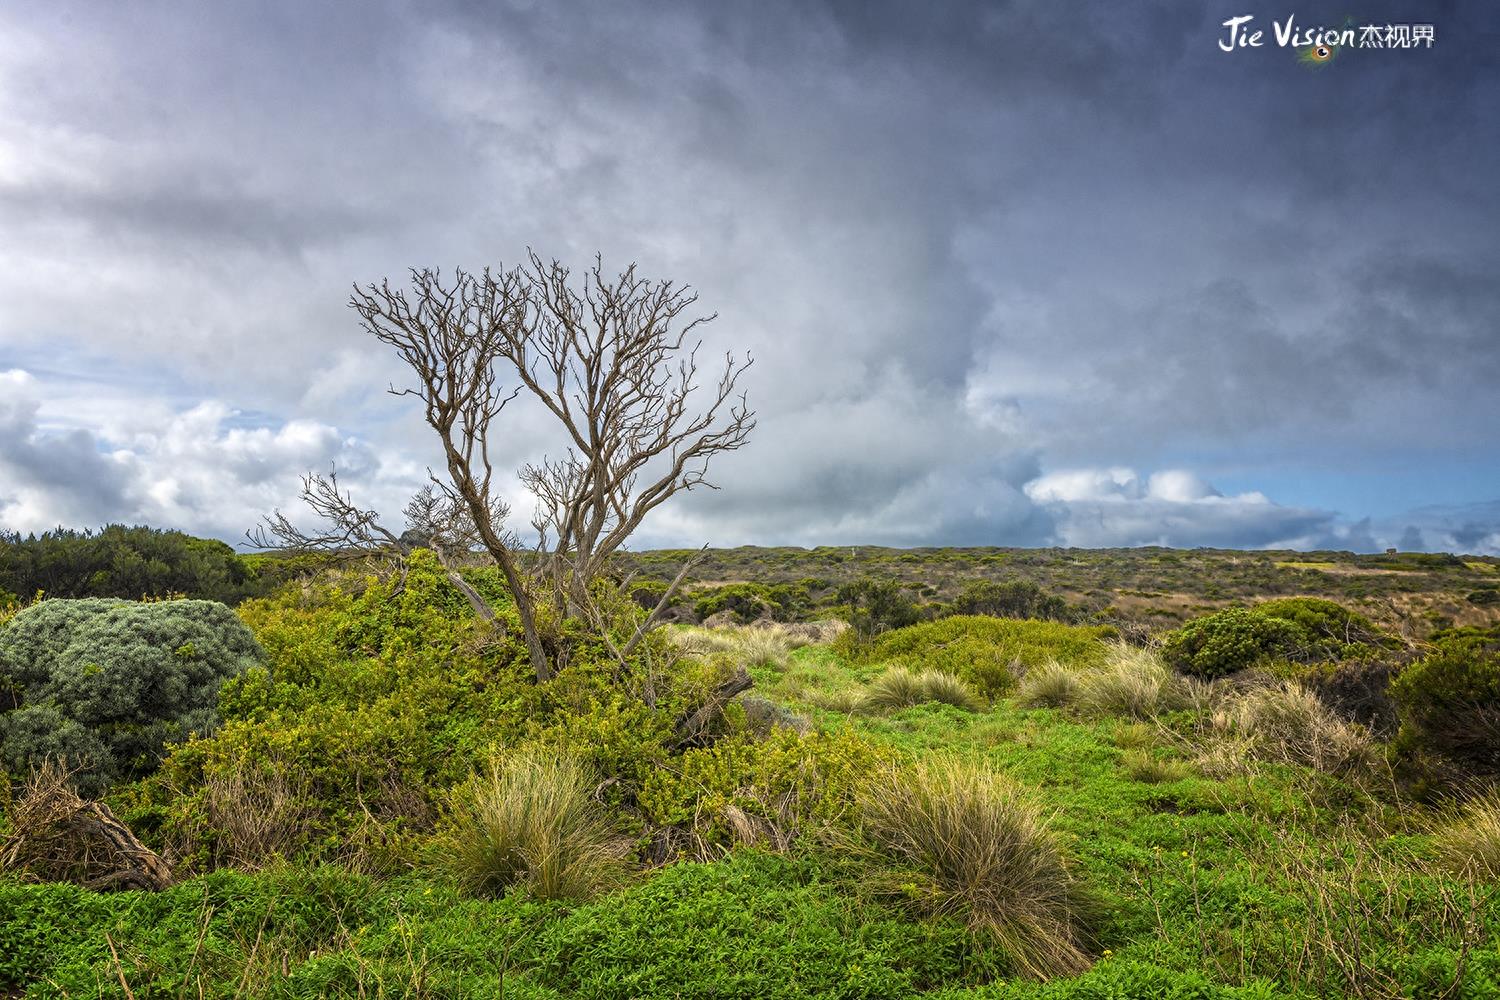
969	244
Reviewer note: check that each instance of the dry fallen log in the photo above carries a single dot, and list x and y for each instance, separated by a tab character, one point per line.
59	837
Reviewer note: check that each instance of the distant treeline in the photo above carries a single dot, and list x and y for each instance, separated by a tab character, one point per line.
128	562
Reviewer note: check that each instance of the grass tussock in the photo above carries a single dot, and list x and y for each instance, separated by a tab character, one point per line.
530	821
1470	844
764	644
1048	685
1144	766
965	841
1289	724
1133	682
1134	735
900	688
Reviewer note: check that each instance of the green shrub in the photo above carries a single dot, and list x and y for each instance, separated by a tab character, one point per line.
962	840
750	602
124	562
1331	631
1228	641
407	684
530	821
877	606
768	791
108	684
1296	629
1449	705
1010	599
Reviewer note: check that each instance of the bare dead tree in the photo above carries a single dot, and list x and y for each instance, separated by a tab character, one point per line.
613	362
346	529
615	366
450	337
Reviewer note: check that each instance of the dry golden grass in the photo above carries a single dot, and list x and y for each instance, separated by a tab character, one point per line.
1134	735
1133	682
1048	685
1144	766
960	839
1284	724
530	820
1471	842
900	688
1289	724
761	644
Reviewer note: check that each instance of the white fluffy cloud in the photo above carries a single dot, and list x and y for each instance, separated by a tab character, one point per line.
1118	507
82	453
205	468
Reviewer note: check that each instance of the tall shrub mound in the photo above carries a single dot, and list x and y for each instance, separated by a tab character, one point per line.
1298	629
1449	703
125	562
107	684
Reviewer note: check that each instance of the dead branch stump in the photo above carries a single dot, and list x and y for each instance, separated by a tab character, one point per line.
59	837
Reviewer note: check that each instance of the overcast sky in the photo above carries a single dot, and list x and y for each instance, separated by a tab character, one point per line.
1013	273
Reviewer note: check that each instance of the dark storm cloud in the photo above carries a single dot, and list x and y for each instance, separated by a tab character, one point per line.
972	245
66	466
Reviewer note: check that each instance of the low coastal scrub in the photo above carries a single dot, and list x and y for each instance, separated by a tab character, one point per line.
963	807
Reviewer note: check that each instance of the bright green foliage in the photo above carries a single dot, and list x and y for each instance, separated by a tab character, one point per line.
786	783
1298	629
123	562
108	684
1449	705
415	693
1227	641
754	925
753	601
1281	880
1334	631
981	649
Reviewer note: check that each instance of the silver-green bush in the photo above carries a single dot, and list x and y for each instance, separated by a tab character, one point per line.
106	684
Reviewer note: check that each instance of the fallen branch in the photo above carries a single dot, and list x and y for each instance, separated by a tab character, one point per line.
59	837
693	727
